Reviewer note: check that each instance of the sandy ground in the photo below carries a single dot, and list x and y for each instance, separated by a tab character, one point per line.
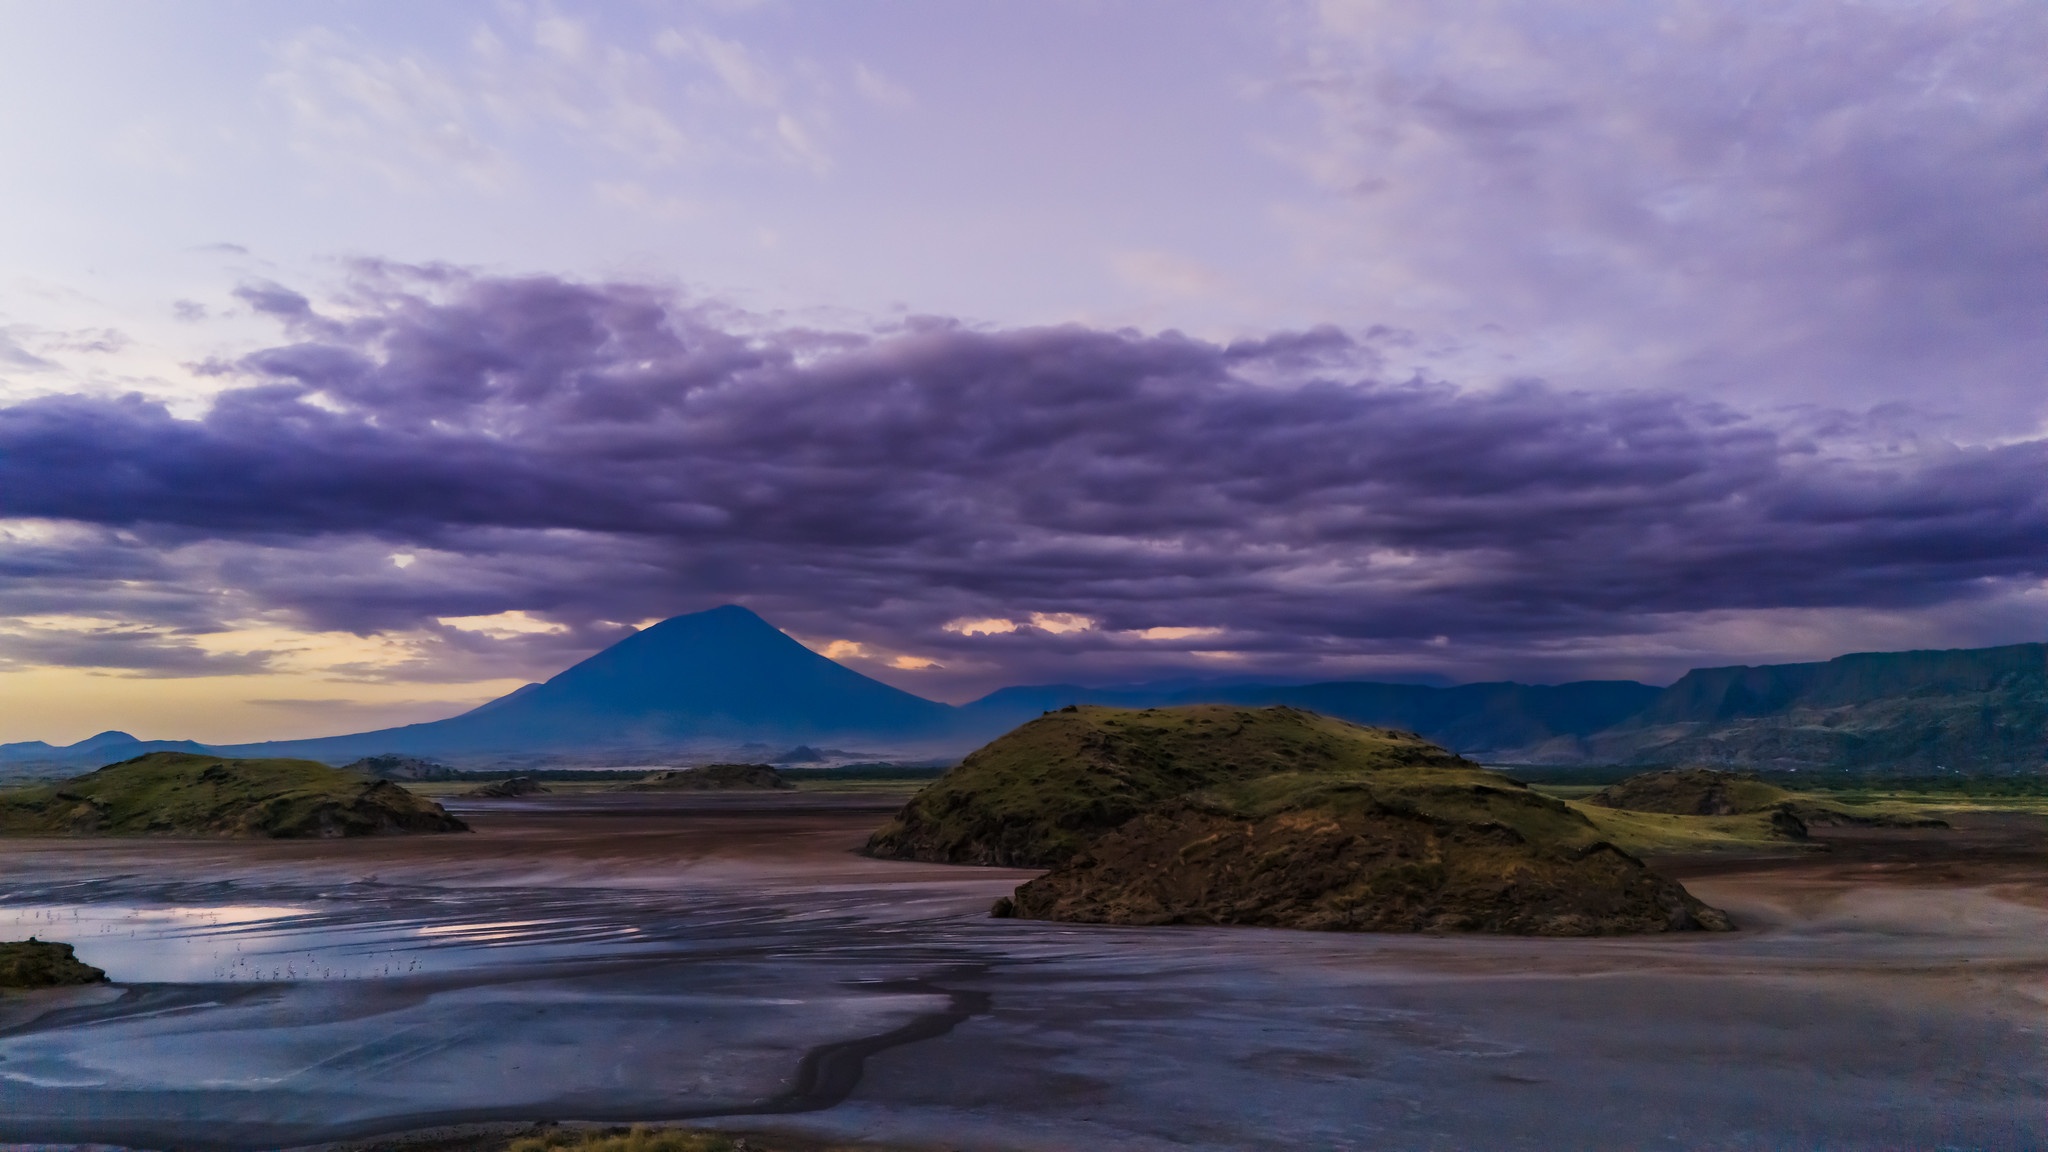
729	958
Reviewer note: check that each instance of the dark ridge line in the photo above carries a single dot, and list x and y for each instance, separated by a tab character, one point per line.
825	1076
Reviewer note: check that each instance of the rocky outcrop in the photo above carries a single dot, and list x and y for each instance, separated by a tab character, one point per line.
509	789
29	964
1347	860
1281	818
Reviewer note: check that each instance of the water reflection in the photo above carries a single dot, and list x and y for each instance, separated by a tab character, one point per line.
336	940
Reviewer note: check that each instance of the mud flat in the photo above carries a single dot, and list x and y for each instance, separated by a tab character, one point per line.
728	957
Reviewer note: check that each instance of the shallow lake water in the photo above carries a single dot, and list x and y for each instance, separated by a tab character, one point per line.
632	958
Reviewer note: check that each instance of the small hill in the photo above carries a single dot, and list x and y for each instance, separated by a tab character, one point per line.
180	794
712	778
393	766
1220	815
32	963
1709	792
508	789
1692	792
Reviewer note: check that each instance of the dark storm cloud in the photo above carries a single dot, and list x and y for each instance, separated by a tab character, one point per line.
599	454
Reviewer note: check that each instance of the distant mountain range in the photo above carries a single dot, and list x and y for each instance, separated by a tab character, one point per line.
726	680
1968	710
91	752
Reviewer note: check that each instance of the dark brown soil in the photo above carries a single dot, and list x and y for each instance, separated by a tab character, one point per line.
1359	868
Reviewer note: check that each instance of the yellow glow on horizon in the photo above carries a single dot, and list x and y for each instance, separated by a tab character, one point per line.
1056	623
514	623
985	626
65	705
1174	633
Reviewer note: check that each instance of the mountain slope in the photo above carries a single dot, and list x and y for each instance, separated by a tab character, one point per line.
721	675
89	752
1973	710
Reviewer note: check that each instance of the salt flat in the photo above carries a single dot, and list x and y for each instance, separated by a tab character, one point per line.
666	957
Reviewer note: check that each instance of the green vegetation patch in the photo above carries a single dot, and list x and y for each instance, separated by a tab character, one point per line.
182	794
1667	834
30	964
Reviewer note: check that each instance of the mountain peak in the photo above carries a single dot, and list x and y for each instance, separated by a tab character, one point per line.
110	736
718	675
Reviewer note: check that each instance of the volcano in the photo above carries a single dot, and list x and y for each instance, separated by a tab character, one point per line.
724	676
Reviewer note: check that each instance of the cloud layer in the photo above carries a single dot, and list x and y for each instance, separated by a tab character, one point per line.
443	445
1824	200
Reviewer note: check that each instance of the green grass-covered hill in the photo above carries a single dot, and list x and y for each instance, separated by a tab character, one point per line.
1692	792
183	794
29	964
1275	816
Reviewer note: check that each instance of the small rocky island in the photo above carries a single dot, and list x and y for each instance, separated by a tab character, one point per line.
1281	818
184	794
26	965
711	778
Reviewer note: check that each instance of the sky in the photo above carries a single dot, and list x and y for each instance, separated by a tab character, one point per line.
362	361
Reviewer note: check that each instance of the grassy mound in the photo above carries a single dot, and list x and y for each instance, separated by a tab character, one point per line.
32	963
507	789
1692	792
1277	817
1032	798
711	778
392	766
1709	792
181	794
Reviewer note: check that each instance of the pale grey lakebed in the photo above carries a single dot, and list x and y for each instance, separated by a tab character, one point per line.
651	957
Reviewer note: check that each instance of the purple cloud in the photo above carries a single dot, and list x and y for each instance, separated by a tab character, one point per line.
598	454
